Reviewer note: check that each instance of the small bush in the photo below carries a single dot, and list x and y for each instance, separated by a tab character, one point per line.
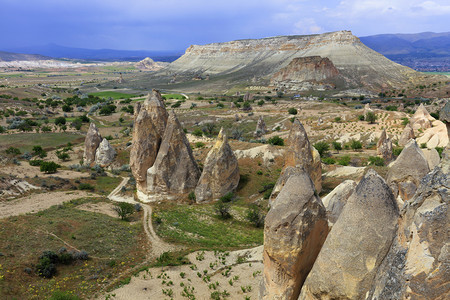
59	295
276	140
228	197
375	160
356	145
197	132
86	186
222	209
361	117
199	145
49	167
60	121
45	268
124	209
81	255
344	160
292	111
35	162
13	151
371	117
439	150
255	216
328	161
38	151
337	119
423	145
337	146
322	147
397	151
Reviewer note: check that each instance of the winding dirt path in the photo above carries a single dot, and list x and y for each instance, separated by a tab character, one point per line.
158	245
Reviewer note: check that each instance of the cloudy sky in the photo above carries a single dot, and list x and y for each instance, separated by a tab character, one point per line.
176	24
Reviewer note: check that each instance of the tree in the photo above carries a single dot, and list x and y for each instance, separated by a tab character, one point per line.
38	151
292	111
356	145
322	147
255	216
123	209
222	209
337	146
62	155
60	121
49	167
371	117
276	140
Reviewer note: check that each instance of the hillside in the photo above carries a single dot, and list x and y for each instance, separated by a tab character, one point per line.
9	56
254	61
427	51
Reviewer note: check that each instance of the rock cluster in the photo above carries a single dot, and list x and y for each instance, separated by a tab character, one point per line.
300	154
384	147
260	127
175	170
406	172
105	154
93	139
294	231
220	173
407	134
421	118
150	121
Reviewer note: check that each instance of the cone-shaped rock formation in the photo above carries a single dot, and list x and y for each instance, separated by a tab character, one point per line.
93	139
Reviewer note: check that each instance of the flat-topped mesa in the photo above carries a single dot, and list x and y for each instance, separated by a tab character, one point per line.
93	139
300	154
405	173
220	172
260	127
384	147
174	172
150	121
294	231
421	118
105	154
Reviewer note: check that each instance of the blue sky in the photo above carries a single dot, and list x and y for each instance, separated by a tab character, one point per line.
176	24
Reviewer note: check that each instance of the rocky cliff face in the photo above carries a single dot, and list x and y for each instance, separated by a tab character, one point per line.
313	69
261	58
93	139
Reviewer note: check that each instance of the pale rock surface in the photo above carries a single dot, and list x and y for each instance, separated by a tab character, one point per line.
407	134
294	231
432	157
105	154
436	136
421	119
175	171
335	201
356	245
407	170
367	109
150	120
260	127
300	154
93	139
220	173
444	116
384	147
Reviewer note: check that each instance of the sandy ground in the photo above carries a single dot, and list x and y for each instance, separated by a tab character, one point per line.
25	170
100	208
243	268
38	202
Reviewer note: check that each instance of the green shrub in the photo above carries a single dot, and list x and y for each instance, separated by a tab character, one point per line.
199	145
423	145
59	295
405	121
124	209
435	115
60	121
222	209
322	147
328	161
337	119
337	146
13	151
344	160
440	150
361	117
45	267
356	145
197	132
35	162
391	108
371	117
228	197
375	160
86	186
62	155
49	167
292	111
107	109
255	216
397	151
276	140
192	196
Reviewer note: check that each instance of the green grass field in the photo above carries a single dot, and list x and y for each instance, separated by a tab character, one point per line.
114	247
26	141
198	227
112	94
174	96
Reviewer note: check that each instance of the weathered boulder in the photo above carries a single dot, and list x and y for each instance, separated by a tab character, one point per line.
367	109
421	119
220	173
93	139
418	263
174	171
105	154
260	127
444	116
405	173
407	134
435	136
356	245
384	147
150	120
432	157
294	231
300	154
445	161
335	201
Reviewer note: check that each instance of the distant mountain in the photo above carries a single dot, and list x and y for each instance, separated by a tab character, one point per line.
58	51
426	51
9	56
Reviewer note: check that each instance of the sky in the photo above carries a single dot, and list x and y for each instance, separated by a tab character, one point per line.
176	24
